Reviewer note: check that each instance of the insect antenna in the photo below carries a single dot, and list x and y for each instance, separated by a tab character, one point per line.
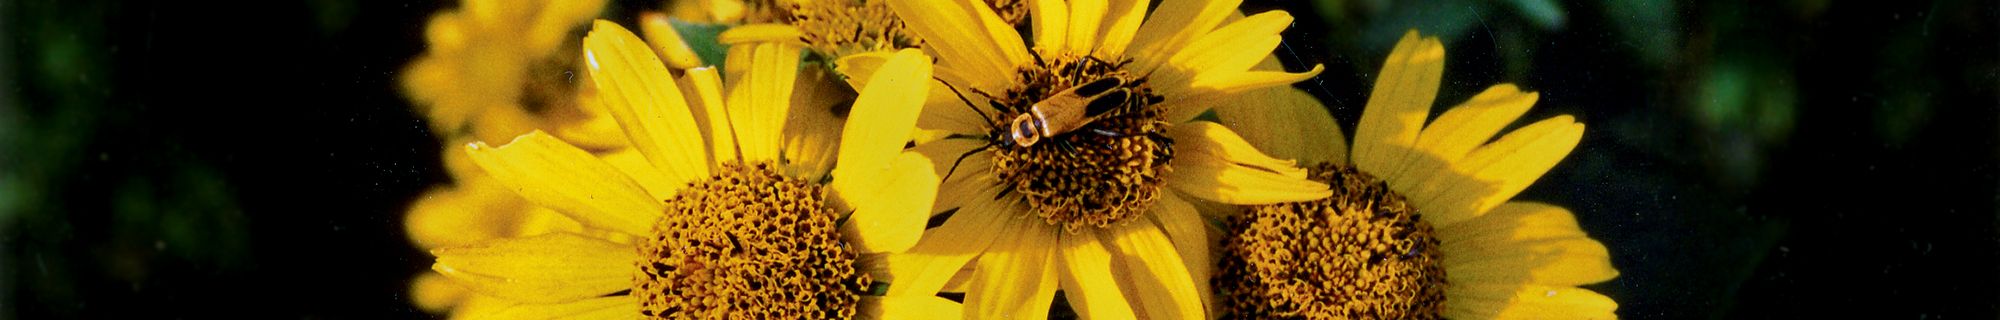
968	102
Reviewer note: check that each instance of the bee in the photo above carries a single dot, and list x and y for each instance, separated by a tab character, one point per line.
1061	113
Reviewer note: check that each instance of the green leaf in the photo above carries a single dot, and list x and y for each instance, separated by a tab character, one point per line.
702	38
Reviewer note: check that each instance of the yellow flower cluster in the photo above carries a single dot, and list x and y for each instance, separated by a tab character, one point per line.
941	164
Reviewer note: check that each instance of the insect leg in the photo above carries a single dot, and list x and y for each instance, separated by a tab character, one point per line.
961	159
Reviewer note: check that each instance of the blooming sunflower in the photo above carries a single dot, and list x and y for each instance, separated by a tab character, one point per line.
1421	225
494	70
734	223
1106	212
477	208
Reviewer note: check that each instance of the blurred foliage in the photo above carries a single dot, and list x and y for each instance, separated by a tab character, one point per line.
89	193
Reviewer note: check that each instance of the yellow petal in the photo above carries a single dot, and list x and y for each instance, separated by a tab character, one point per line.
551	268
812	131
480	307
943	250
1398	105
1286	123
1123	19
858	68
672	48
961	280
1526	302
1175	24
1448	139
503	121
1523	242
1223	90
634	165
1016	278
709	111
1084	17
433	293
1233	184
1210	142
540	221
1506	167
963	112
639	92
1193	239
1087	279
552	22
760	32
475	210
588	125
891	218
722	10
1232	49
971	175
1220	166
966	35
612	307
458	163
556	175
1153	266
909	307
881	122
761	76
1474	122
943	109
1521	157
1051	23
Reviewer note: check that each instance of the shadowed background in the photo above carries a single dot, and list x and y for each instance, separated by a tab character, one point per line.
1778	159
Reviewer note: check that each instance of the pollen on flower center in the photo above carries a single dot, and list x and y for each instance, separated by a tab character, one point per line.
1098	174
748	243
837	28
1363	253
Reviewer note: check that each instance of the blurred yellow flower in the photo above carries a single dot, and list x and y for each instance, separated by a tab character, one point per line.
737	217
1421	225
1104	209
495	69
830	29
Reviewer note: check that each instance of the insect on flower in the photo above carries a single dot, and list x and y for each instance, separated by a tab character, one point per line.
1061	113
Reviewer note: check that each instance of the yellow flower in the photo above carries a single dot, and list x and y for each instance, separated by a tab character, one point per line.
737	219
1421	225
1106	211
476	208
489	71
496	69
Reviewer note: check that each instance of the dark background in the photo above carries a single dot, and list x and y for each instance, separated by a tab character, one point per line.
1779	159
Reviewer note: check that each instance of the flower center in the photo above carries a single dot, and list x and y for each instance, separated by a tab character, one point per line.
1104	168
748	243
1363	253
838	28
